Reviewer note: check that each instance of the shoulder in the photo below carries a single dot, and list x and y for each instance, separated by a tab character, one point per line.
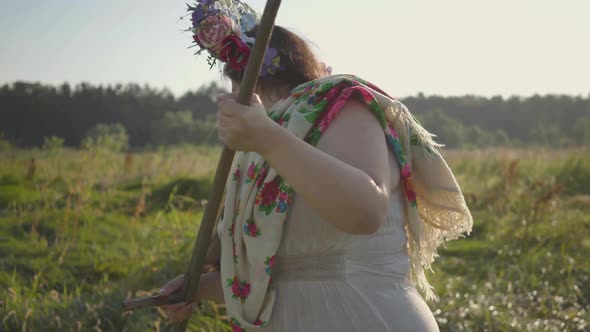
356	114
356	137
354	131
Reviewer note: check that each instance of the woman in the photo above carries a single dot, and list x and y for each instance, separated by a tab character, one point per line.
330	236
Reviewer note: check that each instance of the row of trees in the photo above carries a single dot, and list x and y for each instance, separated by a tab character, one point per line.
29	112
32	112
552	120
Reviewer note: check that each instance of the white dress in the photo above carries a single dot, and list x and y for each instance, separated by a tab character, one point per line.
329	280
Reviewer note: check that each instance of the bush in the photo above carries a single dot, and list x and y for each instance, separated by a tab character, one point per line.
449	131
182	128
52	143
111	137
574	174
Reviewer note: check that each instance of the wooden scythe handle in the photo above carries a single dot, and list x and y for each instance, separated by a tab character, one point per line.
247	86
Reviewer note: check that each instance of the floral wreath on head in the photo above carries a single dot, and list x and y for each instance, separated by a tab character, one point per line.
219	27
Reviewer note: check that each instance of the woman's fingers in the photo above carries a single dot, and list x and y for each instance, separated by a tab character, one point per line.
227	96
255	99
172	285
179	311
228	107
222	97
224	117
208	268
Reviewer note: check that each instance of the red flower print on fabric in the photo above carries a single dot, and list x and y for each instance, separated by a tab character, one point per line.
261	176
240	289
251	229
406	172
236	326
269	262
235	253
267	196
252	171
270	192
283	196
283	199
393	131
366	95
237	174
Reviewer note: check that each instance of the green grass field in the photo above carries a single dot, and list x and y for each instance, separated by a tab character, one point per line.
82	230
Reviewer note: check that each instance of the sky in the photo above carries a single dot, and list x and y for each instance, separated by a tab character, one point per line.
452	47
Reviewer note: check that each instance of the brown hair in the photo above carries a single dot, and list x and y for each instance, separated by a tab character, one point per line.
299	64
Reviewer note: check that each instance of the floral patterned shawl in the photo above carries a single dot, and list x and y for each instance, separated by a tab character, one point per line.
258	199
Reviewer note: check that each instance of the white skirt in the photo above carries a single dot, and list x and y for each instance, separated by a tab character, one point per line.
337	293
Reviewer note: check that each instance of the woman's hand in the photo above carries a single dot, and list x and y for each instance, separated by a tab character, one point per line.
177	312
243	128
210	289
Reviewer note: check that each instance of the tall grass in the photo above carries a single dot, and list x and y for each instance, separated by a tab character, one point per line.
82	230
525	267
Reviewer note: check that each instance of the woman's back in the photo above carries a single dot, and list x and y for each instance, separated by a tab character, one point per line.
329	280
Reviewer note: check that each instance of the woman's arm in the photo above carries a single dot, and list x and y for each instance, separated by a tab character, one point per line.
211	288
346	179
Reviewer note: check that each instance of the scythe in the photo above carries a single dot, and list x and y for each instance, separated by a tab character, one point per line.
223	168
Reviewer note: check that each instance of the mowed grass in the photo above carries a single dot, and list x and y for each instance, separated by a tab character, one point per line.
80	231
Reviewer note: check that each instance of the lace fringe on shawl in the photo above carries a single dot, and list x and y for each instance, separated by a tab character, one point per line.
442	214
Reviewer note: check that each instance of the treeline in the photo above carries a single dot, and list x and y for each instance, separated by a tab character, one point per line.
33	114
30	112
552	120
